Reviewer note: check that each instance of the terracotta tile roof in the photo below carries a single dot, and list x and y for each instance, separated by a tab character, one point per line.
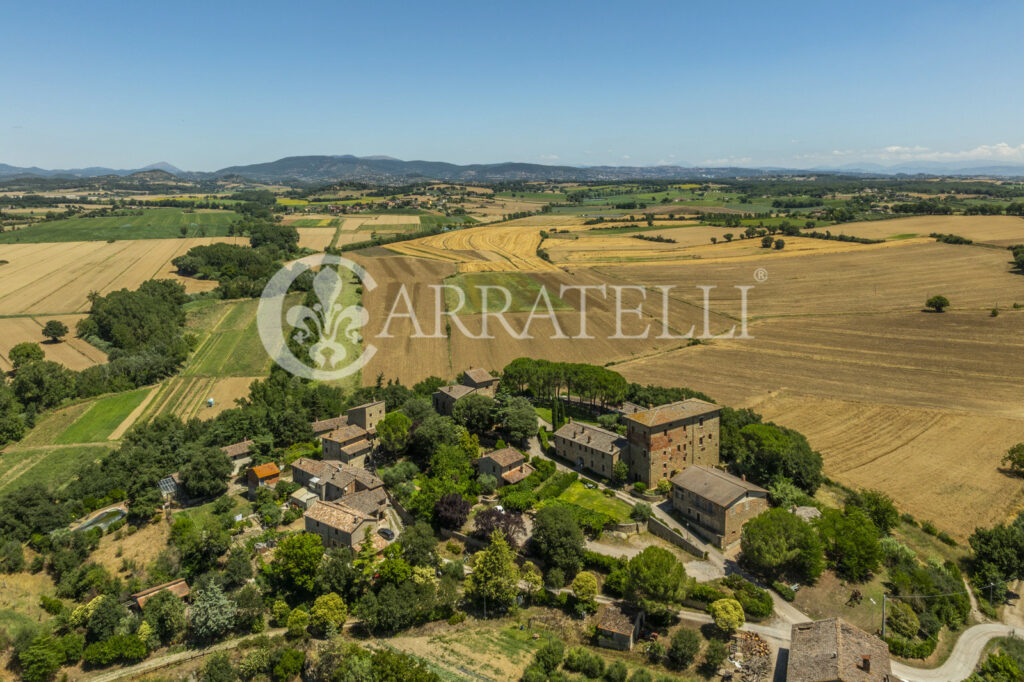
505	457
338	515
328	425
666	414
479	375
346	433
592	436
353	449
236	450
457	391
517	474
266	470
364	405
714	484
835	650
613	619
179	588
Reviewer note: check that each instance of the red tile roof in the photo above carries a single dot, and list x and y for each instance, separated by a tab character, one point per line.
266	470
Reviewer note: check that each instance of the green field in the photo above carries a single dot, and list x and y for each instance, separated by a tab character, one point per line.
523	288
154	223
595	500
53	466
230	345
105	415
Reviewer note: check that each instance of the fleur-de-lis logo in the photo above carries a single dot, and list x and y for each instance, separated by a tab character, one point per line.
327	331
325	320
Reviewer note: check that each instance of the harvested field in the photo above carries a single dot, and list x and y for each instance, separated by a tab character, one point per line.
317	238
46	279
958	360
401	356
998	230
72	352
892	276
481	249
937	464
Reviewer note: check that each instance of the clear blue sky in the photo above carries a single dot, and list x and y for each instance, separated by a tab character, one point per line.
210	84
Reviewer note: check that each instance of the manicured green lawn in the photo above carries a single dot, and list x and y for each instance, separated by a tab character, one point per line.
105	415
154	223
596	501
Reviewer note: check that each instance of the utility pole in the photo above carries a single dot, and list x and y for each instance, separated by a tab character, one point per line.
883	615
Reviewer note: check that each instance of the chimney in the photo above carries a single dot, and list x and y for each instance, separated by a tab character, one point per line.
865	663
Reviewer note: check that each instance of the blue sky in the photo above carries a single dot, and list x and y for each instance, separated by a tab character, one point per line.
207	85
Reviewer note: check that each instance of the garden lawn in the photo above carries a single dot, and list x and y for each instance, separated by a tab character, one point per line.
595	500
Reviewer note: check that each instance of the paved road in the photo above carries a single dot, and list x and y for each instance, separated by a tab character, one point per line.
964	658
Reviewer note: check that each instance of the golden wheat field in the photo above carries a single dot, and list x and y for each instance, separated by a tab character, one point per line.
918	404
316	238
72	352
46	279
998	230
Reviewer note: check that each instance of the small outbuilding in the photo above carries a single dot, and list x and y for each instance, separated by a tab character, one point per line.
618	628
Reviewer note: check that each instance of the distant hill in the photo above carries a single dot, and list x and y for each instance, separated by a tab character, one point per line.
387	169
91	172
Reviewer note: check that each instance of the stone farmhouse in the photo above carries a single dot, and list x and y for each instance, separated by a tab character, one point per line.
618	629
351	437
716	504
508	466
659	443
474	380
332	481
340	525
834	651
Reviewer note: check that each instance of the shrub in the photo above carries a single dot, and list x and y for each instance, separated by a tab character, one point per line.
714	657
684	648
784	590
908	519
929	528
640	487
903	620
911	649
555	578
616	672
602	562
703	593
756	603
579	660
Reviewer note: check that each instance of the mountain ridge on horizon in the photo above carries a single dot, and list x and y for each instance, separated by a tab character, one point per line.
388	169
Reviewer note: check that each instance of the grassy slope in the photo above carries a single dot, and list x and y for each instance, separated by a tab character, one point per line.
105	415
52	467
522	287
155	223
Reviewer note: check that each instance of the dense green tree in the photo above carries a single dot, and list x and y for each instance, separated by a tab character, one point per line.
475	411
494	581
12	557
55	330
655	579
205	472
878	506
728	614
584	588
1014	459
294	566
218	668
767	452
518	418
851	543
419	545
394	432
683	649
937	303
41	659
903	620
212	614
249	608
165	614
104	616
25	353
328	614
43	384
778	543
558	539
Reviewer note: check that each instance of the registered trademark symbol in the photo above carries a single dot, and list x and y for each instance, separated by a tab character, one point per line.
760	275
